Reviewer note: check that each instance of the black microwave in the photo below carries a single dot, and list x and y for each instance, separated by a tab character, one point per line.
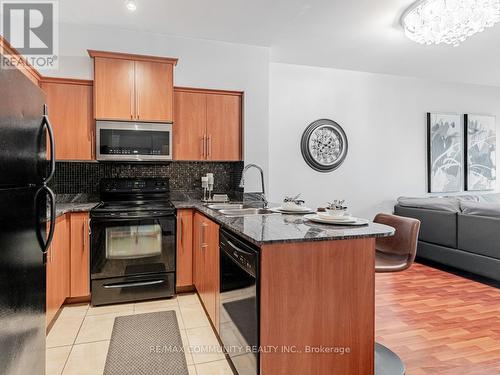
133	141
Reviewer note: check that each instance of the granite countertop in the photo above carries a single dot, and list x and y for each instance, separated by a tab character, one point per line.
257	229
278	228
66	203
64	208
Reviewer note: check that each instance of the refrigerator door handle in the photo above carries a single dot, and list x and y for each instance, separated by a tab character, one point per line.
45	243
46	124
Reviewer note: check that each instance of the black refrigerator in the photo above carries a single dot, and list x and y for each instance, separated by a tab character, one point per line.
26	205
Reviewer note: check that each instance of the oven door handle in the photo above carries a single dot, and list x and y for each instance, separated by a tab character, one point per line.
133	284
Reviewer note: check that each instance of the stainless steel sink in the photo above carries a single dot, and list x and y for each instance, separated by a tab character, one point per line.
246	212
225	206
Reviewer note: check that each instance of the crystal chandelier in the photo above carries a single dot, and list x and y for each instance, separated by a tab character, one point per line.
449	21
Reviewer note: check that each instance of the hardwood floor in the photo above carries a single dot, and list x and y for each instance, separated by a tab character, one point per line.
439	323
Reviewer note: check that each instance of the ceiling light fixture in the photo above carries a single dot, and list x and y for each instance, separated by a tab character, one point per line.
131	5
449	21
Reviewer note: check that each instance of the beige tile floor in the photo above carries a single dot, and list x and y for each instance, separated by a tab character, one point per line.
78	342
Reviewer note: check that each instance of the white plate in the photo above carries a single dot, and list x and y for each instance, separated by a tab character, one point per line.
317	219
294	209
303	210
326	216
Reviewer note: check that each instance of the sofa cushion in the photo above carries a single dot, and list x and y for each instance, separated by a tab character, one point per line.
480	208
451	204
492	198
467	198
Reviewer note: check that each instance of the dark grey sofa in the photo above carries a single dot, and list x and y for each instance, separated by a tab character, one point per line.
453	238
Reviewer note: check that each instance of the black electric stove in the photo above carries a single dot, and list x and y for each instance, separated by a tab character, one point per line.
133	241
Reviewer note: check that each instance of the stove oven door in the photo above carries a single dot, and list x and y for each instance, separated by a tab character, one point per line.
132	258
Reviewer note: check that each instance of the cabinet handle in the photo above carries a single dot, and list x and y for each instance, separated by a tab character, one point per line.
83	234
92	145
132	104
209	146
203	235
132	93
86	234
137	107
204	146
180	233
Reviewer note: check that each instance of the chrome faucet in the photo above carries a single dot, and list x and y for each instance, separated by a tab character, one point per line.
242	181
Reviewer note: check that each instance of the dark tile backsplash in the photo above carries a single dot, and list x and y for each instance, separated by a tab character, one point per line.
83	177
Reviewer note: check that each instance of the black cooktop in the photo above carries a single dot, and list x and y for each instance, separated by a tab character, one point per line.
135	205
134	197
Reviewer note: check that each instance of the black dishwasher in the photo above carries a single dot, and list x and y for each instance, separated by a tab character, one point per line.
239	302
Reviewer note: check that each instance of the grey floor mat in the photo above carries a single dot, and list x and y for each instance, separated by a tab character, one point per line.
146	344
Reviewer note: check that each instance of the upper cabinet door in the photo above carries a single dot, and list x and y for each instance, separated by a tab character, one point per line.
189	129
133	87
154	91
224	128
114	94
70	112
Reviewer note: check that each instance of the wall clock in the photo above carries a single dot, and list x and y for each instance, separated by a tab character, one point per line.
324	145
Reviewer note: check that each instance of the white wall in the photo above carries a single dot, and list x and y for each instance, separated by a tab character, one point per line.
384	116
385	121
202	63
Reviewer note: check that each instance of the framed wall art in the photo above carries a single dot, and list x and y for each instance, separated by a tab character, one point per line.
480	152
445	161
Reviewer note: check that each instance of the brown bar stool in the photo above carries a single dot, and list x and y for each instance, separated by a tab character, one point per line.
394	254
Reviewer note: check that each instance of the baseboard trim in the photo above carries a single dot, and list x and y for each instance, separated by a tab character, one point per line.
185	289
75	300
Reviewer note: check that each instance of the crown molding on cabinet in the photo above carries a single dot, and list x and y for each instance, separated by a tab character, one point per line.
23	65
207	91
68	81
130	56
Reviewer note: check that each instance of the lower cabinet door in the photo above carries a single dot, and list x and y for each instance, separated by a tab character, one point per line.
58	268
80	255
51	272
206	264
185	264
212	273
197	253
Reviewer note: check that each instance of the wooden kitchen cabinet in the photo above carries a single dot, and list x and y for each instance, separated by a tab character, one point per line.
58	268
206	264
154	91
131	87
207	124
70	111
190	125
184	248
114	89
68	262
80	255
223	127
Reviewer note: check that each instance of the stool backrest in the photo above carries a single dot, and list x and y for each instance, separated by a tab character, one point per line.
404	241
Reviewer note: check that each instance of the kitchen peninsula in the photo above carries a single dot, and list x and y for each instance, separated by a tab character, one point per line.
317	289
